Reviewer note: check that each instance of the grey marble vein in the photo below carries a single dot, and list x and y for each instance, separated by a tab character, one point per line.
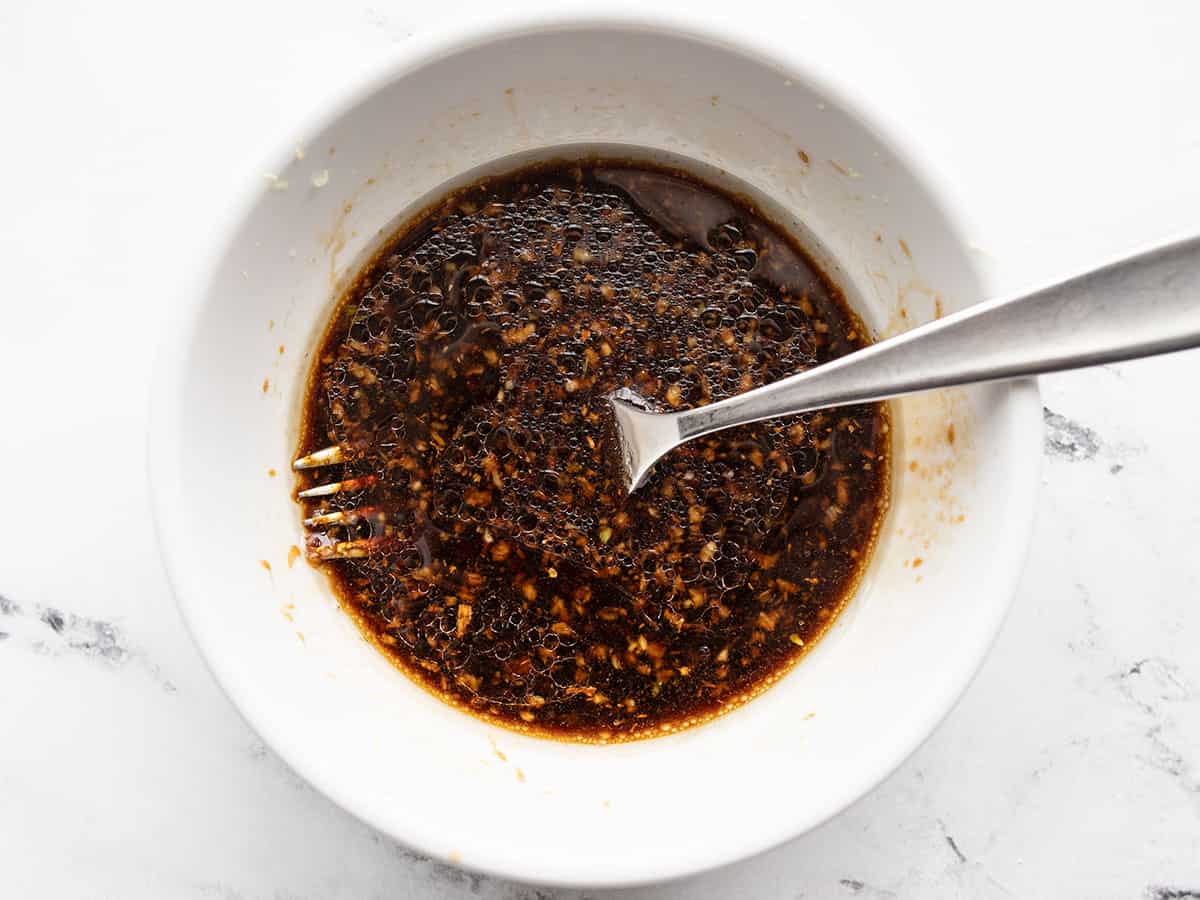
94	637
1150	685
1171	893
951	843
1068	440
57	632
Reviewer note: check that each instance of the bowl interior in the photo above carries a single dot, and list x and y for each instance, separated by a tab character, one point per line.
345	718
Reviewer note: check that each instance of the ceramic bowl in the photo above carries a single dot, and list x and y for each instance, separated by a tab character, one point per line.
224	421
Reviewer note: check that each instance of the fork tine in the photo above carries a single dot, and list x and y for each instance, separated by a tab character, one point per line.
350	484
346	517
326	456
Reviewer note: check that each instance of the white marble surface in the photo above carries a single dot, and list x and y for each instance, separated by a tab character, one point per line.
1071	768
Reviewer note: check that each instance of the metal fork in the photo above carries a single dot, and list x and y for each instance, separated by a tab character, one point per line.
322	547
1142	305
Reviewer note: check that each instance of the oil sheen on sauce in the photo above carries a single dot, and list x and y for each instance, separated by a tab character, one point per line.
489	549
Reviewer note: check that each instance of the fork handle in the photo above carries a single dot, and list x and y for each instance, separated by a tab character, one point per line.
1142	305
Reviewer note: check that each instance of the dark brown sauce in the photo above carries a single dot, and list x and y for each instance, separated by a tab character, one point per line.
502	566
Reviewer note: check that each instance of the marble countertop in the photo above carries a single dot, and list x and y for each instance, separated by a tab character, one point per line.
1071	767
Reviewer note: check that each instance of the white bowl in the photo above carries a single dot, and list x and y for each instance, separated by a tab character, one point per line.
353	725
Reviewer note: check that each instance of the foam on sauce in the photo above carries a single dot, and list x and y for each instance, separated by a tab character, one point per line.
502	566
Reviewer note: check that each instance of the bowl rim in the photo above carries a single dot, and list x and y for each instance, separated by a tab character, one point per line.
432	46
